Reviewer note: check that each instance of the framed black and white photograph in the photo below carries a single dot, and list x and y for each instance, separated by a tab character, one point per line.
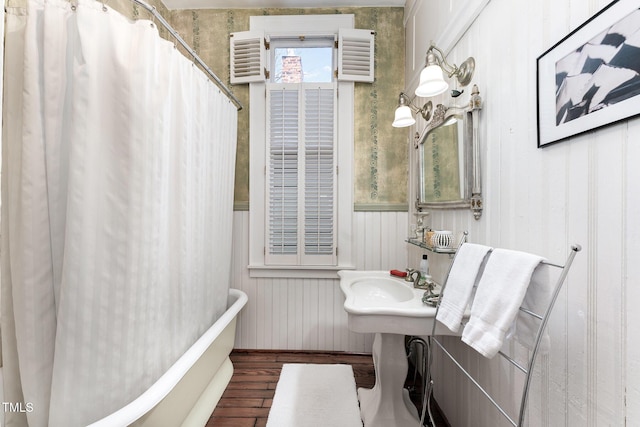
591	78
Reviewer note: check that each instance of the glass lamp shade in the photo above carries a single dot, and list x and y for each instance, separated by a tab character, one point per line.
403	117
431	82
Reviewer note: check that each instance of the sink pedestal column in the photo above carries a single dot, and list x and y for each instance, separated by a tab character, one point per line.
387	404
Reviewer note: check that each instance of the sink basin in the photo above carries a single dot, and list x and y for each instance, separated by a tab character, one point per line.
380	290
378	302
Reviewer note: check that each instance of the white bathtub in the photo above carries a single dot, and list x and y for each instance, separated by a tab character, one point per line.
188	392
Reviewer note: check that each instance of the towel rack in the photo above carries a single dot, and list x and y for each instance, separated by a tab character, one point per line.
434	342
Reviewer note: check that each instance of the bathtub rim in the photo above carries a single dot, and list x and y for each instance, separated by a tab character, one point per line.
151	397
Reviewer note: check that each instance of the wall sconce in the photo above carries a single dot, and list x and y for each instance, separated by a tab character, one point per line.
432	82
404	116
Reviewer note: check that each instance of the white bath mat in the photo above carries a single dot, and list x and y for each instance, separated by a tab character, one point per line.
309	395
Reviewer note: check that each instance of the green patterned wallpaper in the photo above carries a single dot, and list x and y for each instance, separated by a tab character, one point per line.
381	151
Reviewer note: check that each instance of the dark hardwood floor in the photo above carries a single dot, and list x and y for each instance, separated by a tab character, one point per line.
247	399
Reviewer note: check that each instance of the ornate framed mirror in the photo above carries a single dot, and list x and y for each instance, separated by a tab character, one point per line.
449	158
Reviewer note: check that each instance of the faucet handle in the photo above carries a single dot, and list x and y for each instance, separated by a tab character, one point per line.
410	272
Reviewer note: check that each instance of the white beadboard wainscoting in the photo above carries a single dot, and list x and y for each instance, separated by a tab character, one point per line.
308	314
583	190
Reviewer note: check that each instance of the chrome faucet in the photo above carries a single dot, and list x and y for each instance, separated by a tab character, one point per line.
416	279
415	276
429	297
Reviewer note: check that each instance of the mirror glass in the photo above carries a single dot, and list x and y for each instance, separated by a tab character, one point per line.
441	154
448	159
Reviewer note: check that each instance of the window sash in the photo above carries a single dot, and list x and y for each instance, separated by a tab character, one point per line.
316	41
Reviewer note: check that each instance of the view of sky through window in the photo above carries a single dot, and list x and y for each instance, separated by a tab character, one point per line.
309	64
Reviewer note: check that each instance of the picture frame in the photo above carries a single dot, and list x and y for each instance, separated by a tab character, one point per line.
591	78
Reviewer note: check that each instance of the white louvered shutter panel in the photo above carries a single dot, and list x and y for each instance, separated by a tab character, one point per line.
282	174
355	55
320	174
248	57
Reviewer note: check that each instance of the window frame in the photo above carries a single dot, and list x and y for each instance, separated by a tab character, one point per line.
321	25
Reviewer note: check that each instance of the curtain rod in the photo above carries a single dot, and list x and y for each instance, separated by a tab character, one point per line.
195	56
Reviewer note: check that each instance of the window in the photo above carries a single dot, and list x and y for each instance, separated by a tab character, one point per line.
302	61
301	139
300	184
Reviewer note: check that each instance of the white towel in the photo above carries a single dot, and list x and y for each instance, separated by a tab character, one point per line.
537	300
462	278
499	295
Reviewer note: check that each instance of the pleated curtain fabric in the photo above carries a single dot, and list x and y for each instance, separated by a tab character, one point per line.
117	203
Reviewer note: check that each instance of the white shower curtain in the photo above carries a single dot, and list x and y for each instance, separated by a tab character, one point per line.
117	192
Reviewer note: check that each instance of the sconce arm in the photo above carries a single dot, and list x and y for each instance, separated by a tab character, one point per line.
441	60
463	73
425	111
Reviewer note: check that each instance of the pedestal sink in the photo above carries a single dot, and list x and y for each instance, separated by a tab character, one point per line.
390	308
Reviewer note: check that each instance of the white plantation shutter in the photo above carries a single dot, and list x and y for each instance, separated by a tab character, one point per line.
301	195
248	57
355	55
319	166
282	181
